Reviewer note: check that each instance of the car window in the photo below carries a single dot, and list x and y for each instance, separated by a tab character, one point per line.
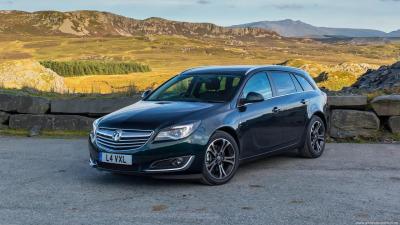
296	83
304	83
201	87
283	83
258	83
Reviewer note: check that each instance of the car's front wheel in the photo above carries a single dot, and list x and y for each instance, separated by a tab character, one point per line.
314	144
221	159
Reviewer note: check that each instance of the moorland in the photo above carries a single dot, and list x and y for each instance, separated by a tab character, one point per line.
166	48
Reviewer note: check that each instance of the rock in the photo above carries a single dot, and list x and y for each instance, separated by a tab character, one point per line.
324	76
396	65
50	122
385	78
394	124
24	104
353	123
90	105
34	131
387	105
28	73
4	117
347	101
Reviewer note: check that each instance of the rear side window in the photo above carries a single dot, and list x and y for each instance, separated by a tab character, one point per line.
283	83
258	83
304	83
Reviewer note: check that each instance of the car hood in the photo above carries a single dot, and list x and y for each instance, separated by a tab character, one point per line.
150	115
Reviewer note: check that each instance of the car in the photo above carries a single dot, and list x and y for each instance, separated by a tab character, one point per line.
206	121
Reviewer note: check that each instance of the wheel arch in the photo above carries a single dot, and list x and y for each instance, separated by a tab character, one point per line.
231	131
322	116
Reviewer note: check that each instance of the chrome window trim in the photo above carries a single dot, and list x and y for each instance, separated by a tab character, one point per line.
278	96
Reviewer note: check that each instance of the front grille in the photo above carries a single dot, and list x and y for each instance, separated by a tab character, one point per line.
129	139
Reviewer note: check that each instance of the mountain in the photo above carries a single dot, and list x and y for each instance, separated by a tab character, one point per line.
395	33
95	23
291	28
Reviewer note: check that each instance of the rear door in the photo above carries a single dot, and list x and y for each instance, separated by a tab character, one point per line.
257	130
289	106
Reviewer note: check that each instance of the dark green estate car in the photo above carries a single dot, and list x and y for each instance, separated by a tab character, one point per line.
207	120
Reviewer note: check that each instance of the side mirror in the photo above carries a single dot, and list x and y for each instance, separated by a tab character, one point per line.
146	93
251	98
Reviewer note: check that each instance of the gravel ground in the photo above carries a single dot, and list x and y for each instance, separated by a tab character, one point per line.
48	181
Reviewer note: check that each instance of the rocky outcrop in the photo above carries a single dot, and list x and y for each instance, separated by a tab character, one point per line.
353	123
95	23
99	106
347	101
387	105
23	104
50	122
324	76
394	124
385	78
30	74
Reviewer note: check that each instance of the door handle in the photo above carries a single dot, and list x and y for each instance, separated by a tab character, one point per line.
303	101
276	110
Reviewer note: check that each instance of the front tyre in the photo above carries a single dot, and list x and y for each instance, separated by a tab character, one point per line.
221	159
314	144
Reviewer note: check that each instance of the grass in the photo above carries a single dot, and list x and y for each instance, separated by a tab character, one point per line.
50	95
45	133
382	136
168	55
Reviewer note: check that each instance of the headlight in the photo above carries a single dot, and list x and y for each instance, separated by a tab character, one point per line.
94	129
177	132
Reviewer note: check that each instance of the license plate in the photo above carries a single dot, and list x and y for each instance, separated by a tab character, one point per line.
115	158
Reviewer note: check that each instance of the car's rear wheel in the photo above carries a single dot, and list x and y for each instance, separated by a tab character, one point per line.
221	159
314	144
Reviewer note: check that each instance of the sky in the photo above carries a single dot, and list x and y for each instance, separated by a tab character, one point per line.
374	14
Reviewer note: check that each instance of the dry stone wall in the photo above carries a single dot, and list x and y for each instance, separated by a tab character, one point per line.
349	117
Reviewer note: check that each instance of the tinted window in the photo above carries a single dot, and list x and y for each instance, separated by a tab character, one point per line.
304	83
283	82
296	83
193	88
258	83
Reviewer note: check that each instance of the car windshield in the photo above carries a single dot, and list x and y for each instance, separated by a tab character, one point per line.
197	88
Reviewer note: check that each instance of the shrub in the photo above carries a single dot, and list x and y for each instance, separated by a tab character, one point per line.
80	68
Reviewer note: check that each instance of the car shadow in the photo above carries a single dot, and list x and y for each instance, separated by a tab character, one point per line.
245	169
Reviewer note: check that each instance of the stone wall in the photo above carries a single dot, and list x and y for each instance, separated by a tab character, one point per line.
353	116
350	116
27	112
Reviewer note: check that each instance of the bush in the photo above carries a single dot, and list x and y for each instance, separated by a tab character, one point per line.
80	68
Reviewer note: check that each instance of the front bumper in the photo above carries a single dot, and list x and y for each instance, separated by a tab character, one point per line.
144	158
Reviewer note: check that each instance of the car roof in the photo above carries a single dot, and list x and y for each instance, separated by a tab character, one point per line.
239	70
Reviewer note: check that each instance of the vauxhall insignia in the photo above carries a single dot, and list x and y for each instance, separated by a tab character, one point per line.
117	135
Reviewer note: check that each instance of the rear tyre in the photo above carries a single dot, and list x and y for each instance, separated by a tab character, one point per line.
314	145
221	159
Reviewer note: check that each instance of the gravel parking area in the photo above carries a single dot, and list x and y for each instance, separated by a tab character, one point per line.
49	181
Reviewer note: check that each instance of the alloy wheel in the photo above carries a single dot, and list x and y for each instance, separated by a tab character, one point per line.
317	136
220	158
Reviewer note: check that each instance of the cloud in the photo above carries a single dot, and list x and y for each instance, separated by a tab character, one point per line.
390	0
8	2
203	2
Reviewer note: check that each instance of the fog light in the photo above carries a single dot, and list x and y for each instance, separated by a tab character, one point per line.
177	162
171	163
